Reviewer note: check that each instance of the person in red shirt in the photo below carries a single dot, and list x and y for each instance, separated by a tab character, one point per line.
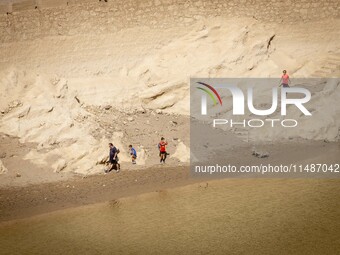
285	80
162	150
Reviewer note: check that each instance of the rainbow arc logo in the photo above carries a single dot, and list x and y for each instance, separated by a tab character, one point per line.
211	92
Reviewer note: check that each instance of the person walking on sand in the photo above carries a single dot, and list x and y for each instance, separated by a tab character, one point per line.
113	158
133	154
285	81
162	150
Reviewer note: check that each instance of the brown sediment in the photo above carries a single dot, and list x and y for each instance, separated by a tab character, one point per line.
25	201
21	202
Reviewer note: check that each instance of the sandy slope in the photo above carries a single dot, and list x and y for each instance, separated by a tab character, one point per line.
49	84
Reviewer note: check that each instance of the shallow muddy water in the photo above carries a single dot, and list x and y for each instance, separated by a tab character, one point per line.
221	217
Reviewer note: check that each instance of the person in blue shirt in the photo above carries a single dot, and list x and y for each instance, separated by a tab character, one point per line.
133	154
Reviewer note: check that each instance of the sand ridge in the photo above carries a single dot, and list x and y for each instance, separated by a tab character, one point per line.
49	83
